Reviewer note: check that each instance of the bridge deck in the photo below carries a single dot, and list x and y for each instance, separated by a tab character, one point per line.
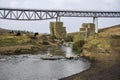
41	14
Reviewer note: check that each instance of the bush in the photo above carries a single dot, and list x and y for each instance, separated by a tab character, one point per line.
69	39
45	43
77	46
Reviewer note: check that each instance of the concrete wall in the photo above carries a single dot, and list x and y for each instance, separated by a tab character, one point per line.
90	28
57	30
87	30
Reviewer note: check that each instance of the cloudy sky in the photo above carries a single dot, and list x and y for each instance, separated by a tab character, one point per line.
72	24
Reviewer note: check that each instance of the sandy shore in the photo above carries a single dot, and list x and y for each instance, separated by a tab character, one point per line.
106	67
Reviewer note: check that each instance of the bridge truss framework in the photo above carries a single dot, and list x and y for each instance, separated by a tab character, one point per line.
33	14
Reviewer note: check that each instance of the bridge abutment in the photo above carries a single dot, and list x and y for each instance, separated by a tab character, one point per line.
86	30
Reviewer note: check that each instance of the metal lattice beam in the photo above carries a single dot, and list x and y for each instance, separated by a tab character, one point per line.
33	14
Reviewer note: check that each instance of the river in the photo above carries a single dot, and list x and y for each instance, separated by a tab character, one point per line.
32	67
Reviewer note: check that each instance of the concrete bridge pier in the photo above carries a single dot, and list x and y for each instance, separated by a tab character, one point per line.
95	21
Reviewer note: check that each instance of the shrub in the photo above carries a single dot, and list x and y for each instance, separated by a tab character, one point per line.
77	46
69	38
45	43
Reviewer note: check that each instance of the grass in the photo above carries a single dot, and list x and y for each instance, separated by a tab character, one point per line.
26	43
11	44
105	41
8	40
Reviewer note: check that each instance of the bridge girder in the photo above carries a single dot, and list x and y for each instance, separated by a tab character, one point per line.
33	14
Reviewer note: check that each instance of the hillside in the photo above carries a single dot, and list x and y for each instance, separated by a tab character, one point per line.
107	40
73	33
103	50
27	43
107	28
4	30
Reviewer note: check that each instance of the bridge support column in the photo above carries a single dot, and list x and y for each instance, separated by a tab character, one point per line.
95	21
58	19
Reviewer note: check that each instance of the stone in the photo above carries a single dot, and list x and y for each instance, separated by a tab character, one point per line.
58	30
87	30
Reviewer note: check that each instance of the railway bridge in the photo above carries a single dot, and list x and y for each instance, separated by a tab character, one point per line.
41	14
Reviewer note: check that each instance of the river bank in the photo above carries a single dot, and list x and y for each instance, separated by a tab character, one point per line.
10	44
104	49
105	67
21	49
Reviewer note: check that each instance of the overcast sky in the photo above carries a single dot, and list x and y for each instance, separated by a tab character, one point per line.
72	24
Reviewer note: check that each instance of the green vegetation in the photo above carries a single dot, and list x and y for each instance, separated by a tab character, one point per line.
69	38
8	40
103	50
24	43
96	43
78	44
106	41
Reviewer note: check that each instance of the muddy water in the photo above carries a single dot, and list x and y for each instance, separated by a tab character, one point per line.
31	67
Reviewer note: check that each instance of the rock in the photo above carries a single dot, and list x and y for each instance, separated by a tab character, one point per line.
51	58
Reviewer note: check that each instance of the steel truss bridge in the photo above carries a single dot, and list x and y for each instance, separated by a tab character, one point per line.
34	14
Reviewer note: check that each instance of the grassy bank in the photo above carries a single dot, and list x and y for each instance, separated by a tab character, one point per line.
24	44
104	49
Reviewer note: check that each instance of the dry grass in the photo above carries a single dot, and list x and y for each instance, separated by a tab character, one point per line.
8	40
10	44
13	48
105	41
